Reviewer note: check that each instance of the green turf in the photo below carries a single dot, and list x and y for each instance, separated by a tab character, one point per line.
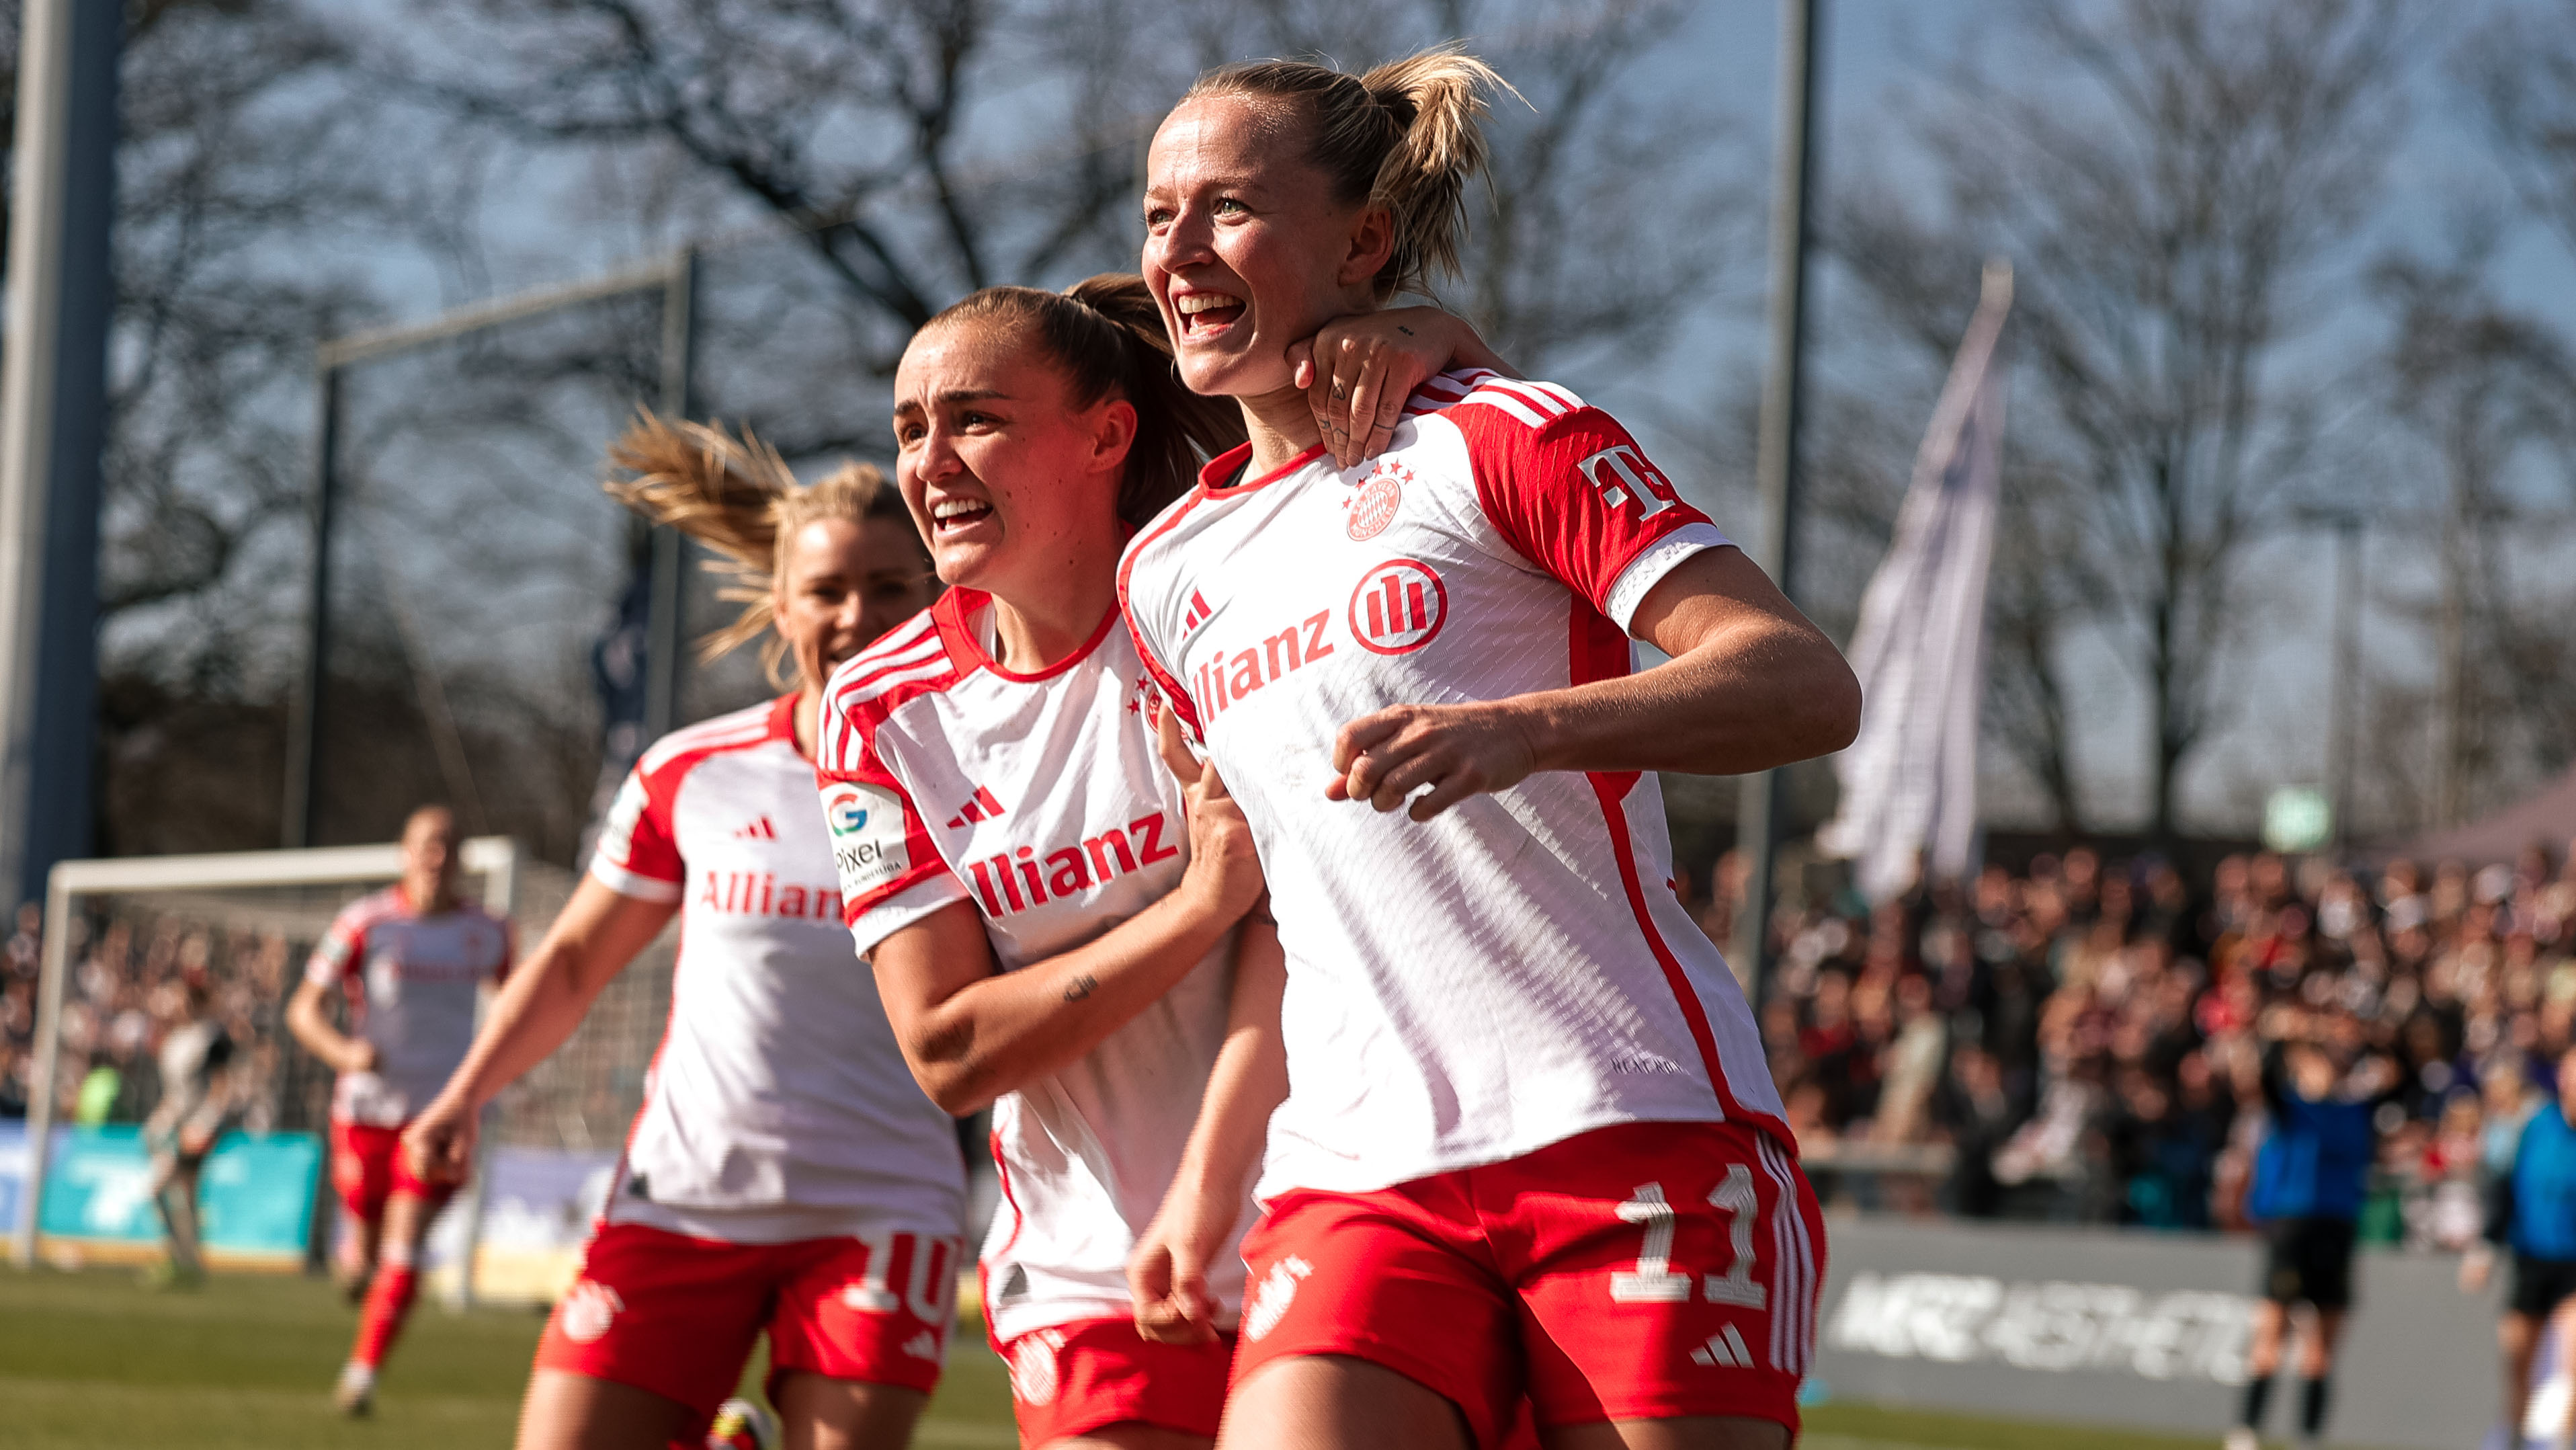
94	1359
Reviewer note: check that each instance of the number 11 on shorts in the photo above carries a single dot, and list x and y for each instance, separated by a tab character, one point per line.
1655	1281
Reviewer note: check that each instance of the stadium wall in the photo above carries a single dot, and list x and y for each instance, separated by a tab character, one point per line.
2104	1327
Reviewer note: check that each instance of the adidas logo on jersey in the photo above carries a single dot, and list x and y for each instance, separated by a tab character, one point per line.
758	830
982	808
1724	1350
1027	879
1197	614
924	1345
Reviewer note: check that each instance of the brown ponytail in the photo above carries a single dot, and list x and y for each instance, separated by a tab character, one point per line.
739	498
1106	338
1406	137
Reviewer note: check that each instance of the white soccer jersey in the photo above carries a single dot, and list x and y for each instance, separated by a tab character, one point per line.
779	1106
1519	970
1041	799
412	983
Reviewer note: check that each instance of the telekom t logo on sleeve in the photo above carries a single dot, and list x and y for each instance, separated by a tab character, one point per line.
1621	474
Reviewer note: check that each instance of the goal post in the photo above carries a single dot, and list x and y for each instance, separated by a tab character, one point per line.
251	917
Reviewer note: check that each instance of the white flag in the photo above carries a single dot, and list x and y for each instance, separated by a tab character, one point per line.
1909	799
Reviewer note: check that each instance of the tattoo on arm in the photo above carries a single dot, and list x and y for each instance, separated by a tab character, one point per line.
1407	331
1083	986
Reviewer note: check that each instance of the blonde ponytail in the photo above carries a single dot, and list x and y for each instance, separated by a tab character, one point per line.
739	498
1407	136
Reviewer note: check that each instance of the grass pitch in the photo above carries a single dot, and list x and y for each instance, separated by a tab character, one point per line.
93	1359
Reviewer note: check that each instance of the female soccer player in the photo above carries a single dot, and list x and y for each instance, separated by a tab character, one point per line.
1531	1143
413	960
785	1174
1052	918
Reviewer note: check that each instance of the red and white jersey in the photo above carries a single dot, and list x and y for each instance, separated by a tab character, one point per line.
1041	799
779	1106
412	983
1474	988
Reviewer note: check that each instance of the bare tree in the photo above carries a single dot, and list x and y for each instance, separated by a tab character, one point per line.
2519	69
2176	181
2482	387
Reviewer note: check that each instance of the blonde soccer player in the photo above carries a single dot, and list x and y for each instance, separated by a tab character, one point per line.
1054	919
1529	1144
785	1176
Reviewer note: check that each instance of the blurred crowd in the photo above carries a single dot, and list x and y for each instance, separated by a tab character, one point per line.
124	993
2083	1038
2079	1039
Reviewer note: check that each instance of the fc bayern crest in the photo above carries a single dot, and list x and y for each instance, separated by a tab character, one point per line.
1380	495
1398	607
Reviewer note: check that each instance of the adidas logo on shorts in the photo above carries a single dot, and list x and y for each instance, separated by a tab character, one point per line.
1270	1298
1033	1372
1724	1350
924	1345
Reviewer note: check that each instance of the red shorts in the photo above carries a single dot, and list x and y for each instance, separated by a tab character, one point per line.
1075	1378
677	1315
369	1166
1642	1271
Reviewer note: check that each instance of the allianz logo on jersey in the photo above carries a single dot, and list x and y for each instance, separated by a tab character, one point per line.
1014	881
757	893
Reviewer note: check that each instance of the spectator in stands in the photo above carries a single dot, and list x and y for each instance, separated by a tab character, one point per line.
2125	1006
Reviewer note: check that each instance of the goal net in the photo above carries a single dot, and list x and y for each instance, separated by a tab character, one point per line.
117	938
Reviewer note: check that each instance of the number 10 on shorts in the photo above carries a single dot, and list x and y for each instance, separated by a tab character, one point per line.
1656	1281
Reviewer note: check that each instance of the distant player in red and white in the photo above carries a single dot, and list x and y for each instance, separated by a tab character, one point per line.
412	961
1052	917
1531	1144
785	1175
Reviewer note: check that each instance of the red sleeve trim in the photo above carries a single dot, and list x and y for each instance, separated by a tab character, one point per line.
1565	484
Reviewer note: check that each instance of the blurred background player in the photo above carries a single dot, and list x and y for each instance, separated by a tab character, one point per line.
2310	1177
785	1174
1532	1144
197	1103
1051	917
2532	1207
411	961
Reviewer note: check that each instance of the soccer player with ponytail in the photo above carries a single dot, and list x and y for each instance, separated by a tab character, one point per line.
785	1175
1054	919
1528	1145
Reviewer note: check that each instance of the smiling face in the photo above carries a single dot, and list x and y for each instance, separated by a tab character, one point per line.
845	582
1006	479
1246	249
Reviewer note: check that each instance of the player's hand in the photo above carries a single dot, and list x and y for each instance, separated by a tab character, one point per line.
358	1055
439	1144
1167	1272
2475	1265
1224	870
1359	370
1456	750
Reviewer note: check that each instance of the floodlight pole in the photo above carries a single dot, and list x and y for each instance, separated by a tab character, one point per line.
53	434
1758	814
666	597
304	723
